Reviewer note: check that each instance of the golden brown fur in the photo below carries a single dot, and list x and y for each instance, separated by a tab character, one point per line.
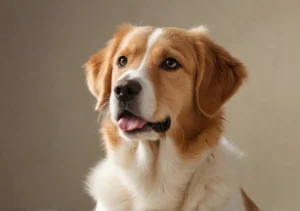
218	76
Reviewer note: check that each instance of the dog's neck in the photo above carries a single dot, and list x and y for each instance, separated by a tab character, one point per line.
164	167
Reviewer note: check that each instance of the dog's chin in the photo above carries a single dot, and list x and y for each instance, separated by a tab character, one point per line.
140	136
134	127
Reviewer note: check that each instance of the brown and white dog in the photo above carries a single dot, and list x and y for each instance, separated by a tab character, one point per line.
162	91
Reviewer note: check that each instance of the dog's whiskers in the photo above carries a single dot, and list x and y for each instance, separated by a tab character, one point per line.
103	111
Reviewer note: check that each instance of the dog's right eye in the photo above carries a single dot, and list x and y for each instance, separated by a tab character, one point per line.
122	61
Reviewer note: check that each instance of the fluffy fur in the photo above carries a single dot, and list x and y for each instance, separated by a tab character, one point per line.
191	167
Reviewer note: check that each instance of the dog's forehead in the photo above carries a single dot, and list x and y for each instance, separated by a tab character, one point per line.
138	37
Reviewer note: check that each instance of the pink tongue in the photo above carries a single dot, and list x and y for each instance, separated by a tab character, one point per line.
130	123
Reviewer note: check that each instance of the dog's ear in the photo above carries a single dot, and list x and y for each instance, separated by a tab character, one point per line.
98	68
98	76
219	74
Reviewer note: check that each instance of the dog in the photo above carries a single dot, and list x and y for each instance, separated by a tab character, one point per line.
161	93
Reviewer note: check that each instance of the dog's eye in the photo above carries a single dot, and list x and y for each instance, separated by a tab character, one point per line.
122	61
170	64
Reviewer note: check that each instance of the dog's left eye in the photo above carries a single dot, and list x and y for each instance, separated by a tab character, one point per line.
170	64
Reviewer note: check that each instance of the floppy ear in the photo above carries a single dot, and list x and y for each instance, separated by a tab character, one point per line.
99	68
98	76
219	75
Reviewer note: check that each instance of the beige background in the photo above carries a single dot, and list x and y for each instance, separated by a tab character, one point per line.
49	136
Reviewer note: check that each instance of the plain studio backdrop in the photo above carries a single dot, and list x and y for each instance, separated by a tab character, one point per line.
49	131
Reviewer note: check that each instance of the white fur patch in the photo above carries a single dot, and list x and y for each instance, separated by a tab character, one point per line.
147	96
151	40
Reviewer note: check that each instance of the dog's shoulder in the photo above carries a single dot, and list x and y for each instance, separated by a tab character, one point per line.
224	173
216	184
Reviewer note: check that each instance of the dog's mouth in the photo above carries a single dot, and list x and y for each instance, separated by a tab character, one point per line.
130	123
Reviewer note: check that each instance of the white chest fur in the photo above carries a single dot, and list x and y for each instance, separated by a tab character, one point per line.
161	181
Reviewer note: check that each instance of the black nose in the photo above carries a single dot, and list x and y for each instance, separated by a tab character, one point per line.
127	90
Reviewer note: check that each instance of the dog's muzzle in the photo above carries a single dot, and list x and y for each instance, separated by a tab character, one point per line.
129	118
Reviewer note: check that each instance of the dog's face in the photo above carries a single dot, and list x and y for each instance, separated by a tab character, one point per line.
151	78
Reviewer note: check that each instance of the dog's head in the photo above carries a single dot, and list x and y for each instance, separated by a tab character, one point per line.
151	77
